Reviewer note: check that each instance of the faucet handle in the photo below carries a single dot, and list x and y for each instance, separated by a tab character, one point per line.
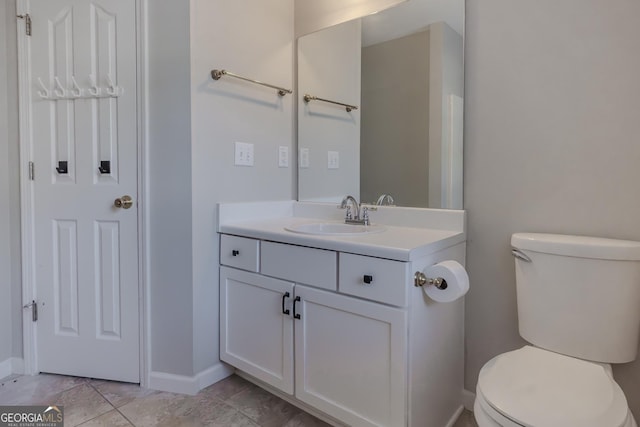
365	213
348	214
344	205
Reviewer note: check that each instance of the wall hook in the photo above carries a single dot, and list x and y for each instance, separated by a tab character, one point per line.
94	90
59	90
44	93
63	167
112	90
105	167
76	91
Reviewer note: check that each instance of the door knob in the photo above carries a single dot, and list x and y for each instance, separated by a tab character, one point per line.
124	202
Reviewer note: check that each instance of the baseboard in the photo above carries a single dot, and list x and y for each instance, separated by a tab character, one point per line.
183	384
12	366
455	417
468	397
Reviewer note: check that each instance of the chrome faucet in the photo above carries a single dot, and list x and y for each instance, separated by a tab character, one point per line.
385	199
349	217
356	207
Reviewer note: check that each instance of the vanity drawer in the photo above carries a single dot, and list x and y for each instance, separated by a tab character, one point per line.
308	266
376	279
240	252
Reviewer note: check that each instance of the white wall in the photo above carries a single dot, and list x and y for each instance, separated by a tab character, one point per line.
552	143
329	67
313	15
252	38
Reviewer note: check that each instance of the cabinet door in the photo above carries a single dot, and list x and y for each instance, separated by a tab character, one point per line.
256	334
351	358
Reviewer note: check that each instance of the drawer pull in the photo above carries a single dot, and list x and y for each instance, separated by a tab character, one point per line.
295	315
367	279
235	252
284	297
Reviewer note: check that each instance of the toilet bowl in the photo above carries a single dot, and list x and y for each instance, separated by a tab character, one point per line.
578	303
538	388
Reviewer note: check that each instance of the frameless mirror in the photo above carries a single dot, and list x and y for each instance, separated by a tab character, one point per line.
380	107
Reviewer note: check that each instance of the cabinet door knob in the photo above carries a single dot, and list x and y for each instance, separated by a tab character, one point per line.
284	297
295	315
235	252
367	279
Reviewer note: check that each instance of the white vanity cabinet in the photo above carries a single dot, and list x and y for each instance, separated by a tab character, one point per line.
256	331
350	358
340	333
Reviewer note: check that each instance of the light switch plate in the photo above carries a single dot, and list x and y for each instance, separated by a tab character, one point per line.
333	160
243	154
283	157
304	157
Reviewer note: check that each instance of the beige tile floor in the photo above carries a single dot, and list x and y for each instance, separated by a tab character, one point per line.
233	402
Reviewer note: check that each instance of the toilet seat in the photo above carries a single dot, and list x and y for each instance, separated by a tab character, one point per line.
534	387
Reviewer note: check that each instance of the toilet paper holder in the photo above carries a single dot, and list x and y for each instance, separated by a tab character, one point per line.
420	279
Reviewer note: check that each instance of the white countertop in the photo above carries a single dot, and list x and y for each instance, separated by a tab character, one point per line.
396	242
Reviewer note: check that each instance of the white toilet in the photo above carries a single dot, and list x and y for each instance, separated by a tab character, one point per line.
579	305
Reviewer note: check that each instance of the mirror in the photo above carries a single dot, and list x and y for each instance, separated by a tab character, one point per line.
399	74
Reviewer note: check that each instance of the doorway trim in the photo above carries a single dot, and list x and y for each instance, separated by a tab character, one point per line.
27	211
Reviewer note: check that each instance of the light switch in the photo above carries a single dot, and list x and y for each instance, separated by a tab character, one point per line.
333	160
243	154
304	157
283	157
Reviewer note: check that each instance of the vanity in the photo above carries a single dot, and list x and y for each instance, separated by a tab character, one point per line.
330	319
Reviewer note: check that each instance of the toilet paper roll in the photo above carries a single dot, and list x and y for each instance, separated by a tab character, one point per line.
454	274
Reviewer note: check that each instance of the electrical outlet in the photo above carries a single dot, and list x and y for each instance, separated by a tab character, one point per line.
243	154
333	160
304	157
283	157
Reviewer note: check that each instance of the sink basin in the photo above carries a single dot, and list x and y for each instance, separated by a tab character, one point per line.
335	229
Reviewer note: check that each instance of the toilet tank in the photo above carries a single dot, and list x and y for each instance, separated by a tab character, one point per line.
578	295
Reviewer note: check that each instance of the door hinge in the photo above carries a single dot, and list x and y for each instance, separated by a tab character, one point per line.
34	310
32	172
27	22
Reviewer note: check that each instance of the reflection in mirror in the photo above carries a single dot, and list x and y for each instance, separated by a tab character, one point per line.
403	69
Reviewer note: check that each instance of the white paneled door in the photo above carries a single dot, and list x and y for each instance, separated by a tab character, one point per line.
81	73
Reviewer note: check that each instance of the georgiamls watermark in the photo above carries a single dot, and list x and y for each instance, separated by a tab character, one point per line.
31	416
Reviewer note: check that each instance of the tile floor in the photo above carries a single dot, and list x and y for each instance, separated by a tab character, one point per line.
233	402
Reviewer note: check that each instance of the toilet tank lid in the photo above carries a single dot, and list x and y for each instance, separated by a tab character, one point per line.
578	246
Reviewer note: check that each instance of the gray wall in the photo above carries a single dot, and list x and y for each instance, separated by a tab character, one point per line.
552	143
329	67
395	125
226	111
169	188
446	78
194	122
313	15
10	265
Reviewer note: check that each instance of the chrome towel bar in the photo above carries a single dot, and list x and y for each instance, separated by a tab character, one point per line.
216	74
307	98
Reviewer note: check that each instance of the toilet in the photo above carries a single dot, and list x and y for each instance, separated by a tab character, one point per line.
579	308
